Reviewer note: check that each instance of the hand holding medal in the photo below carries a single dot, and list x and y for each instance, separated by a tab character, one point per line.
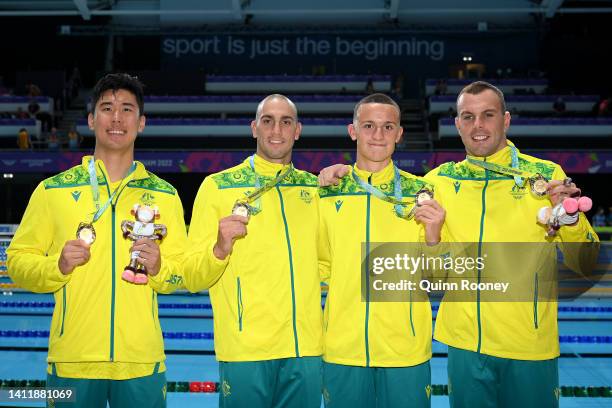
423	195
75	253
429	213
230	229
86	233
233	227
538	185
242	208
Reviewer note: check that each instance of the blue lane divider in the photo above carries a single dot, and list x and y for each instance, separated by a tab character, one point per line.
585	339
27	304
188	335
208	306
209	336
22	304
45	333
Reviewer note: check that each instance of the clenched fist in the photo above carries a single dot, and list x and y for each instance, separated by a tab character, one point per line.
431	215
230	229
75	253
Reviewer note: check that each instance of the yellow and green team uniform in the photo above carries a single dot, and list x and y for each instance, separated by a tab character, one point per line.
495	347
266	294
102	327
376	353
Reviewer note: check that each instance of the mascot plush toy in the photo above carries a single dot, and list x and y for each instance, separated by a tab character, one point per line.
565	213
143	227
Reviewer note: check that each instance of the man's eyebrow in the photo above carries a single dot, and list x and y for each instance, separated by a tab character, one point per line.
468	112
268	116
111	102
387	122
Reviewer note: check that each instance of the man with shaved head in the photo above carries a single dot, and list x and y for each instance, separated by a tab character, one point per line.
253	238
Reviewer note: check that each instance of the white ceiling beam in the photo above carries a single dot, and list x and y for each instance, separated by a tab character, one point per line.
594	10
81	5
393	8
280	12
552	7
237	9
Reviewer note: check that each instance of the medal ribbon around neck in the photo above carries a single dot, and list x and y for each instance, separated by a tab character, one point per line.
514	171
398	205
261	190
95	189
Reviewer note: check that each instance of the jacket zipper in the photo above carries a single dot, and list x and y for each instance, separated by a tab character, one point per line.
367	276
112	323
113	266
482	219
295	336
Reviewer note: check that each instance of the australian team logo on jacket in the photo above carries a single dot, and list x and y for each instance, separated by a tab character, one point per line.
518	192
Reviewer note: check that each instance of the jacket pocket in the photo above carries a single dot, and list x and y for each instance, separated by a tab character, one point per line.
535	302
411	320
239	303
63	310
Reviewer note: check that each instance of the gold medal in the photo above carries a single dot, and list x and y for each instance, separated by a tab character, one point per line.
241	208
423	195
539	185
86	232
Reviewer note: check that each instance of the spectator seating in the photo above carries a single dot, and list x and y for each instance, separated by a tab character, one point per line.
508	86
10	127
11	103
244	104
296	83
537	127
523	103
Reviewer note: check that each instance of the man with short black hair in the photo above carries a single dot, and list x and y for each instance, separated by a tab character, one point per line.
105	341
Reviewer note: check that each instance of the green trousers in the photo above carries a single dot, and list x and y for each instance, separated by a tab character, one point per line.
376	387
149	391
286	382
480	381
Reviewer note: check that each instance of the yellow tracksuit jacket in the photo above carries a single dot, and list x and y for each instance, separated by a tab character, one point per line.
102	326
266	294
482	207
358	332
